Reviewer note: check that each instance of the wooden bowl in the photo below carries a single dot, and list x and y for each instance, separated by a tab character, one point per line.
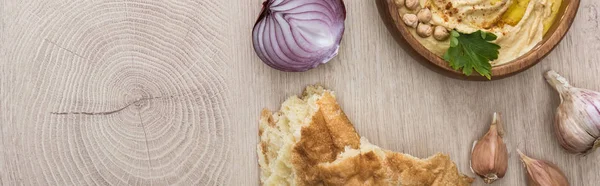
389	14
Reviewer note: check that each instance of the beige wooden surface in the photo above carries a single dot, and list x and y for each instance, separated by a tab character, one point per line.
149	93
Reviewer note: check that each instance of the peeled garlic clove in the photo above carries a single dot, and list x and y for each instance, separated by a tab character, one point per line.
577	119
489	156
543	173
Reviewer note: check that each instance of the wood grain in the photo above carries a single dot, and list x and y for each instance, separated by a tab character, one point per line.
97	57
567	12
114	93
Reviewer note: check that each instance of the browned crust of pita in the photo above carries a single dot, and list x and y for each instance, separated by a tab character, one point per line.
435	170
337	122
265	114
315	146
331	131
364	169
322	140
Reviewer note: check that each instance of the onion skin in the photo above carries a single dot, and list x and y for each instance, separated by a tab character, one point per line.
298	35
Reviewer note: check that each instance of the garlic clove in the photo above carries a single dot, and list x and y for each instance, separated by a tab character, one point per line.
489	156
571	135
543	173
577	119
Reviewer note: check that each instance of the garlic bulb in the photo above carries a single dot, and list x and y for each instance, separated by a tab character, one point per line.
489	156
577	120
543	173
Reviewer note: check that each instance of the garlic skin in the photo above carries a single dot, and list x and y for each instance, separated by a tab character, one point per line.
577	119
489	156
543	173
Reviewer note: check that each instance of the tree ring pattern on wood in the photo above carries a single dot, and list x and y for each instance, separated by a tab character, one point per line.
115	93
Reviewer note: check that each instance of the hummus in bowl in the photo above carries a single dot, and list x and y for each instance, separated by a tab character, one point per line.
526	30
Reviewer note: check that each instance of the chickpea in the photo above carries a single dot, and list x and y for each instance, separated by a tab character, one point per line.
411	4
424	30
410	20
399	2
424	15
440	33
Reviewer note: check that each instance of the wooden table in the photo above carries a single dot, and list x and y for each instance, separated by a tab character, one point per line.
148	93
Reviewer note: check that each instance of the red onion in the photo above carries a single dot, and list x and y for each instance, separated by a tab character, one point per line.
298	35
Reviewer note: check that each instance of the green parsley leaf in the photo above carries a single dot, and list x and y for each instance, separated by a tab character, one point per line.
472	51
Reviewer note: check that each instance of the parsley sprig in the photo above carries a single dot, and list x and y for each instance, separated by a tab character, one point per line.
472	51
